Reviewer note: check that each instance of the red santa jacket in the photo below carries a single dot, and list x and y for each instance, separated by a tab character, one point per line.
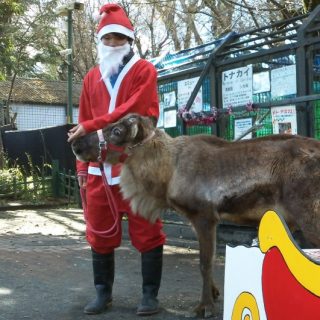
100	104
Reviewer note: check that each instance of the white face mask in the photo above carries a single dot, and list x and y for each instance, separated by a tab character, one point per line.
110	58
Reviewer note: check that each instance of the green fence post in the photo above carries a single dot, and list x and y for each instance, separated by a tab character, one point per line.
63	181
77	195
43	183
15	188
55	179
69	186
25	183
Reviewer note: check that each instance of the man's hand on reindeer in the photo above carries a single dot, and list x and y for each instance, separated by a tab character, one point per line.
76	132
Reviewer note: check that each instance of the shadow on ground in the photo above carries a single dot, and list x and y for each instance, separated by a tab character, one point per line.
45	271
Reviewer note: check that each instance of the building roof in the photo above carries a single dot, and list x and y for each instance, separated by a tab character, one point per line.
38	91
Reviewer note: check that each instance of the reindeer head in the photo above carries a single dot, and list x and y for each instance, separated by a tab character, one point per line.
129	131
86	148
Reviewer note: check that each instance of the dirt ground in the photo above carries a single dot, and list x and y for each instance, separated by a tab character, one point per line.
46	274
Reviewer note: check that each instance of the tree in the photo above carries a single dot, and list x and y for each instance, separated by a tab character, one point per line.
8	9
309	5
29	49
26	42
29	31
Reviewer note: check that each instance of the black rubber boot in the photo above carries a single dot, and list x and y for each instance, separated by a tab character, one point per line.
103	275
151	267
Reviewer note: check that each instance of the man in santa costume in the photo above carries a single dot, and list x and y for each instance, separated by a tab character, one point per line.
122	83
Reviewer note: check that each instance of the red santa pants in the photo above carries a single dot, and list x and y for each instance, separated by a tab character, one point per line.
144	235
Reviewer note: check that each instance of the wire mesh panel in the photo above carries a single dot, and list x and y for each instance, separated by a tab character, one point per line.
316	89
38	116
316	117
170	97
264	130
201	129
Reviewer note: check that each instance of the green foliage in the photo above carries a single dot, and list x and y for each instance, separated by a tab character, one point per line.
309	5
8	177
30	184
8	8
26	37
8	174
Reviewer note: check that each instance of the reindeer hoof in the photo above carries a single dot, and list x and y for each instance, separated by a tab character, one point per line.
202	311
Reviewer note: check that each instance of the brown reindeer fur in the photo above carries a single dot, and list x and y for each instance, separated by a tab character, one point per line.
208	179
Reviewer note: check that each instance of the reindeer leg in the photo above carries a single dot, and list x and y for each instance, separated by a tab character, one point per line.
206	232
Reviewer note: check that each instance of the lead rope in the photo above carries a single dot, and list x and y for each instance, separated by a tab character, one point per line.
114	229
113	205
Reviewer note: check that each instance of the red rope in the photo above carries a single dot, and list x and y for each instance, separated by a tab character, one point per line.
114	229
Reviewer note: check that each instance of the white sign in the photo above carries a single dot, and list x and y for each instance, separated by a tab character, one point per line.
185	88
261	82
284	119
160	120
241	126
283	81
169	99
170	119
237	87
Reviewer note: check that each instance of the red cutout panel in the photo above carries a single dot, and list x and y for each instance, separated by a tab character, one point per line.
284	297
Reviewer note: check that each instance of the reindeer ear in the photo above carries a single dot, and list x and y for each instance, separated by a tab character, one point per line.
132	119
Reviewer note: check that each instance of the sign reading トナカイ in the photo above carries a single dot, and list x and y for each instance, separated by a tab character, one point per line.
237	87
185	88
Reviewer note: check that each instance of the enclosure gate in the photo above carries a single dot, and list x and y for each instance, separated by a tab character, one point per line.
65	184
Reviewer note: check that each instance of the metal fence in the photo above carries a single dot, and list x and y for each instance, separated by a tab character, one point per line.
28	188
65	184
41	186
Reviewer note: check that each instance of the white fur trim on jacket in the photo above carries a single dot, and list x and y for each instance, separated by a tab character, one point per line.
107	170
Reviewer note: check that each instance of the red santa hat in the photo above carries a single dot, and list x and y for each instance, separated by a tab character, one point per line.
114	19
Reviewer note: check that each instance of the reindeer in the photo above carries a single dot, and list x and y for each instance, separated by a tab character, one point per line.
208	179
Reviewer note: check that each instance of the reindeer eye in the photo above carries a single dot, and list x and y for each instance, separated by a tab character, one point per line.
116	132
